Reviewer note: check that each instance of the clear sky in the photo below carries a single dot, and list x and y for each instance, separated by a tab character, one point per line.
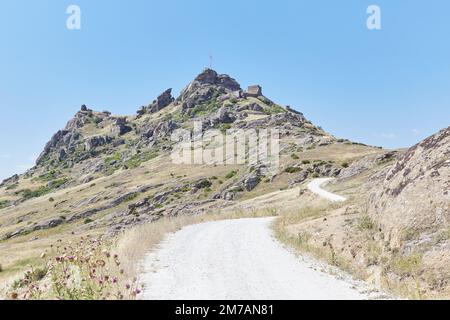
388	87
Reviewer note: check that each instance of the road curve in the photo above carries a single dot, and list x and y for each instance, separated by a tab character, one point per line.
315	187
238	259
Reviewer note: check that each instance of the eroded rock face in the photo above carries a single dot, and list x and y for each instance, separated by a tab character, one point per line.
96	141
162	101
414	197
120	127
205	87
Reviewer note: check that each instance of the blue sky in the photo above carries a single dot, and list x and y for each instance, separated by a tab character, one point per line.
389	87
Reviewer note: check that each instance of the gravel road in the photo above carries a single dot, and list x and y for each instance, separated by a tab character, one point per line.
315	187
239	259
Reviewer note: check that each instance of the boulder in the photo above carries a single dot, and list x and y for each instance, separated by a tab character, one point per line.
163	100
251	182
120	127
223	115
96	141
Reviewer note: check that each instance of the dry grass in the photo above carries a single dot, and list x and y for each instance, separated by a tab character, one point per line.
134	244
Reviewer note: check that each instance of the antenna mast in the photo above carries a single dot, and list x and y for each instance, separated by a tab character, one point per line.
210	60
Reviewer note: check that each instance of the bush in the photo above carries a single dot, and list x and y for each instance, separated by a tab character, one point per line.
345	165
205	183
51	199
43	190
306	162
292	169
231	174
39	192
275	109
4	204
294	156
208	107
88	220
224	127
136	160
1	268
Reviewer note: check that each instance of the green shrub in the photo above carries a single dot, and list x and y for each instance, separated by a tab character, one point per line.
50	175
223	127
205	183
345	165
51	199
231	174
29	194
131	197
88	220
292	169
208	107
306	162
43	190
294	156
115	157
275	109
4	204
136	160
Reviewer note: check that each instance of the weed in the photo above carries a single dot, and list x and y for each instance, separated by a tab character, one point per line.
406	265
365	223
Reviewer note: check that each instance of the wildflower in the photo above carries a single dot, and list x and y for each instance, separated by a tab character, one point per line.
14	296
137	291
127	286
115	280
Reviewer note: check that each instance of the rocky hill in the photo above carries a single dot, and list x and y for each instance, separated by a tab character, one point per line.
102	173
410	204
413	199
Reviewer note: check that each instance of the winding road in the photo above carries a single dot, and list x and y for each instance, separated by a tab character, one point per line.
239	259
315	186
